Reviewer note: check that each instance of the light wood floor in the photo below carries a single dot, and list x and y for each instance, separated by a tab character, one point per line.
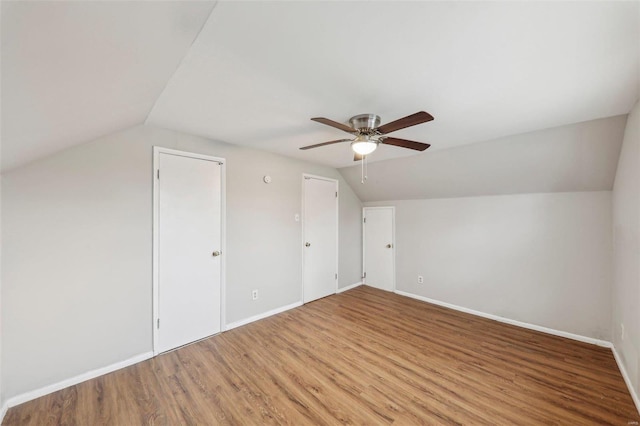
361	357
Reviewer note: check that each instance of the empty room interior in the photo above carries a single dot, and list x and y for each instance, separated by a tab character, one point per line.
320	212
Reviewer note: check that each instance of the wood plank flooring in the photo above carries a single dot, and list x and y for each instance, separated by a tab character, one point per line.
361	357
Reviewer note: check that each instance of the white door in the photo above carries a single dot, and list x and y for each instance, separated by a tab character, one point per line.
379	247
320	234
189	211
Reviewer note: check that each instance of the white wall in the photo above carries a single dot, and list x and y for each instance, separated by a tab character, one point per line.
1	332
1	322
626	250
350	244
543	259
77	249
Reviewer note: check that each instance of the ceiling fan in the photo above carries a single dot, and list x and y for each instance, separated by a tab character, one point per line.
369	134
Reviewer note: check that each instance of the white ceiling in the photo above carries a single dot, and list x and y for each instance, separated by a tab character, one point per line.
260	70
74	71
575	157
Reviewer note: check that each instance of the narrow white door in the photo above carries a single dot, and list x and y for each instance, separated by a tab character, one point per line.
320	235
189	246
379	248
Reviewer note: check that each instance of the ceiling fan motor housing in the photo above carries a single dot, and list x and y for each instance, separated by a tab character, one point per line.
365	121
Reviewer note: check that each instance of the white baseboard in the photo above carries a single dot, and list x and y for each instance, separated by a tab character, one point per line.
28	396
262	316
281	309
626	378
598	342
3	411
349	287
37	393
552	331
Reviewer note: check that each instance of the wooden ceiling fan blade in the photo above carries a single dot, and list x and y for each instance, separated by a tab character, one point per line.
357	157
408	121
404	143
335	124
325	143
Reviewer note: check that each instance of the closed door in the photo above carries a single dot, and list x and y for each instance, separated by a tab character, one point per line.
189	250
320	219
379	248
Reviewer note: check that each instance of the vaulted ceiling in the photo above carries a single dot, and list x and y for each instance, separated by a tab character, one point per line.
259	71
253	73
574	157
74	71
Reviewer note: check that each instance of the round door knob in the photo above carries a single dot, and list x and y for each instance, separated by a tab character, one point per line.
307	244
216	253
389	246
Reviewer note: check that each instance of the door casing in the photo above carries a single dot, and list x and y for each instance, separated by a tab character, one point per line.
393	242
306	176
156	214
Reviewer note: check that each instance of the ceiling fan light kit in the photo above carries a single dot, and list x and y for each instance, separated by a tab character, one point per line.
369	133
363	145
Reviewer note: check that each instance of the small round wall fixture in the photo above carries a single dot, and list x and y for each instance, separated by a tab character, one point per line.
267	179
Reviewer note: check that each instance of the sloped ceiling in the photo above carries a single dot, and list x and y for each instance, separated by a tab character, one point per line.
74	71
260	70
575	157
253	73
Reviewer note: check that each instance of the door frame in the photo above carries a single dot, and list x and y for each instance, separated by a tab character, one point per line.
393	242
306	176
157	150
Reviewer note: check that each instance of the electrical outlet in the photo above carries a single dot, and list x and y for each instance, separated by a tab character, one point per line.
254	295
420	279
622	331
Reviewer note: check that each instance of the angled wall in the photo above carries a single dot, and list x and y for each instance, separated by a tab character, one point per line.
575	157
75	71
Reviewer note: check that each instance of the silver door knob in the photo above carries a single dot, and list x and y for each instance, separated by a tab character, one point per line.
307	244
216	253
389	246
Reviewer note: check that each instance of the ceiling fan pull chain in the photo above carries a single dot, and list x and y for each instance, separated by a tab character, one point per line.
366	167
362	170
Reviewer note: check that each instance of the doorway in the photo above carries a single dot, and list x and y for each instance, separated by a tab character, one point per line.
320	237
379	247
188	247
